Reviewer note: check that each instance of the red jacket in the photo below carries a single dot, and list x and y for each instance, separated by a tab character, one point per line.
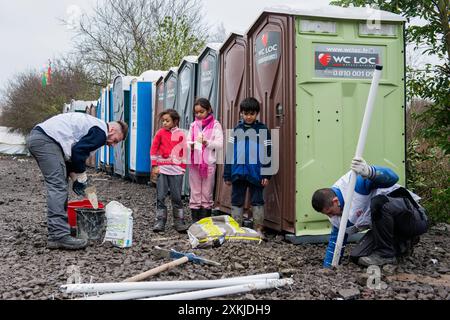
169	148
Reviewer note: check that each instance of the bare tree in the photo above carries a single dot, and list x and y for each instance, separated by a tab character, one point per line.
26	102
125	37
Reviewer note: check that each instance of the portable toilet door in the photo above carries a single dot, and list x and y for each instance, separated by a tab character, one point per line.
159	103
141	122
312	70
187	77
110	118
208	76
100	115
233	89
121	109
91	160
170	89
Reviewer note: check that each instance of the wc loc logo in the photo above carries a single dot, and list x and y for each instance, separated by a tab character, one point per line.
325	60
268	47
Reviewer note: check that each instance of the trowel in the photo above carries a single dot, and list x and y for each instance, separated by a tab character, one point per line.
91	194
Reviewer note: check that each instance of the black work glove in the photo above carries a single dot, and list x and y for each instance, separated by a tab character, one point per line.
79	188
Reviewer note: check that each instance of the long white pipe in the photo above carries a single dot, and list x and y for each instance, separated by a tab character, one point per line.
155	285
359	153
137	294
225	291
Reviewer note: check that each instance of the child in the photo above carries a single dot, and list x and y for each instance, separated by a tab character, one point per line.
244	169
205	138
167	154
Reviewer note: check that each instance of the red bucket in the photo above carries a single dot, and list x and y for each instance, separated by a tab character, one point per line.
72	215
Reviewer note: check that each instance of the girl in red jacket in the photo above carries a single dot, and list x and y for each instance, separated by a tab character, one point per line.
168	154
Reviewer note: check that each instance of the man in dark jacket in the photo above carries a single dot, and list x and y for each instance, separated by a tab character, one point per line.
61	146
248	157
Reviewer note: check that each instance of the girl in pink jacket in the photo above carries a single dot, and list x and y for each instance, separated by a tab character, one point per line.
205	141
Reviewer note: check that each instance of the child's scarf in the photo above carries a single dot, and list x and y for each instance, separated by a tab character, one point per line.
204	126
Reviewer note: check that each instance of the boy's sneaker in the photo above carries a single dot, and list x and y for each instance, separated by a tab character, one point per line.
68	243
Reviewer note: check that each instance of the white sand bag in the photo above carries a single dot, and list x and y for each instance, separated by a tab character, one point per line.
119	228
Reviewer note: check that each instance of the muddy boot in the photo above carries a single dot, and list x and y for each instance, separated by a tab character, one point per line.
178	221
258	221
238	214
67	243
195	215
161	219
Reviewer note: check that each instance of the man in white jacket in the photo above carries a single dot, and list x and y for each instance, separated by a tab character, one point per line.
390	212
61	146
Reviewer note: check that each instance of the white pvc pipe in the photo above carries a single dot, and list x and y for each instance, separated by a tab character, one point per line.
359	153
225	291
137	294
155	285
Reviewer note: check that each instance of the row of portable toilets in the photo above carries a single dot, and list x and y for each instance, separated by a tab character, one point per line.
311	70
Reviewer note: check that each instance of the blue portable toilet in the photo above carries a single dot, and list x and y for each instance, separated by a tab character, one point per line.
170	89
208	75
141	121
121	112
109	116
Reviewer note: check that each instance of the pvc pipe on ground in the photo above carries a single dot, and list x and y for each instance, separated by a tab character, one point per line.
225	291
359	153
155	285
138	294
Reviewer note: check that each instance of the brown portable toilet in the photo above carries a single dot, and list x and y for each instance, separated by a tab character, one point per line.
311	70
159	103
233	89
91	110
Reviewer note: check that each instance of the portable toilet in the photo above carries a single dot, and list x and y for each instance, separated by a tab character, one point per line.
109	116
141	120
100	115
121	107
208	75
232	90
187	77
91	160
159	103
311	70
170	89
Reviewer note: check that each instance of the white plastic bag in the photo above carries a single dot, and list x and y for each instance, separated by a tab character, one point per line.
119	228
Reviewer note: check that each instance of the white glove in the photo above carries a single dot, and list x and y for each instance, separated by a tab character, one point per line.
360	166
82	177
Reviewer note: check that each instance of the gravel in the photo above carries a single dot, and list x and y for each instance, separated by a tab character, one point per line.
30	271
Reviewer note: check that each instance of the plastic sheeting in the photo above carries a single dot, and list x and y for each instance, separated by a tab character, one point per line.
12	143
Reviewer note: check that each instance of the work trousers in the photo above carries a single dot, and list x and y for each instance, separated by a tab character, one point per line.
394	221
202	188
50	159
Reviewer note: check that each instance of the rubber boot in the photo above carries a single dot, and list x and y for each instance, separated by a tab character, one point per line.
258	221
178	221
238	214
195	215
204	213
161	219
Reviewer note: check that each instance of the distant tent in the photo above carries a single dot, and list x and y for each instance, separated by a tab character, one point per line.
12	143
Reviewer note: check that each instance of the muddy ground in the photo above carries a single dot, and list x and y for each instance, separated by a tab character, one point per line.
30	271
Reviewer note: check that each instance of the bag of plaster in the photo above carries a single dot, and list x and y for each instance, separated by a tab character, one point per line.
214	231
119	226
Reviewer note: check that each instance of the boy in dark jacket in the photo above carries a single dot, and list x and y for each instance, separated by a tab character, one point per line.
248	155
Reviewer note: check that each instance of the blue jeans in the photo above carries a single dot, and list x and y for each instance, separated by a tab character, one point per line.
239	192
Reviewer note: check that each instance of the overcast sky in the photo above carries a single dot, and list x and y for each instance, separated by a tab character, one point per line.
31	31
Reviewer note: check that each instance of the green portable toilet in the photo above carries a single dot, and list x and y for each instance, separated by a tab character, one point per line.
311	70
